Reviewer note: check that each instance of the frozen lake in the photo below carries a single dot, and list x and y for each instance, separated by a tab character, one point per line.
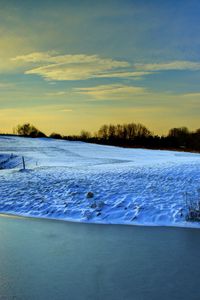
47	259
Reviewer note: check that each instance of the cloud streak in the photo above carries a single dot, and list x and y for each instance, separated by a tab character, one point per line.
68	67
136	75
173	65
192	95
111	91
58	93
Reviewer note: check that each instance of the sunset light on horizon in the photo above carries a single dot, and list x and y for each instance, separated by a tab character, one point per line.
72	65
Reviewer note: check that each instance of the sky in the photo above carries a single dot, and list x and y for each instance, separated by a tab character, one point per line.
77	64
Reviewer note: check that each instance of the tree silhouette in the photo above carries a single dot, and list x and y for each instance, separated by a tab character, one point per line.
28	130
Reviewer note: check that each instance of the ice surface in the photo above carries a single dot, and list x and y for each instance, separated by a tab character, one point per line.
130	186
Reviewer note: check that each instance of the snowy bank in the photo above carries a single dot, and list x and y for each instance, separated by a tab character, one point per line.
93	183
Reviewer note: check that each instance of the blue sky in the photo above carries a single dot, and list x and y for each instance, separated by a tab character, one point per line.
69	65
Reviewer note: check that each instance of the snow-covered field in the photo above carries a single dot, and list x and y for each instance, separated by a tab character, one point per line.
129	186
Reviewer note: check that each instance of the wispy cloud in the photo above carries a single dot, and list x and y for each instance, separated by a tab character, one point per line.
192	95
49	107
34	57
111	91
55	67
53	57
128	92
53	94
135	75
65	110
173	65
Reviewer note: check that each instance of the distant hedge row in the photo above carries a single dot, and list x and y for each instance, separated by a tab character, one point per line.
126	135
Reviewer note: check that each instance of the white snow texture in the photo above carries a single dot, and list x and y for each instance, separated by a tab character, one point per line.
84	182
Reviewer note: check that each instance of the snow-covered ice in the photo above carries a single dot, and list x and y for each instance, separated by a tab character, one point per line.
128	186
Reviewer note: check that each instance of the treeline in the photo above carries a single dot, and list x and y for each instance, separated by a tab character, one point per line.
28	130
127	135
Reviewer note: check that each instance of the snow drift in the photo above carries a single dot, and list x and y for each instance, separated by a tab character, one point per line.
126	186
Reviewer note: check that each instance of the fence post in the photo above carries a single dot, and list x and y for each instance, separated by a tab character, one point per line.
23	162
